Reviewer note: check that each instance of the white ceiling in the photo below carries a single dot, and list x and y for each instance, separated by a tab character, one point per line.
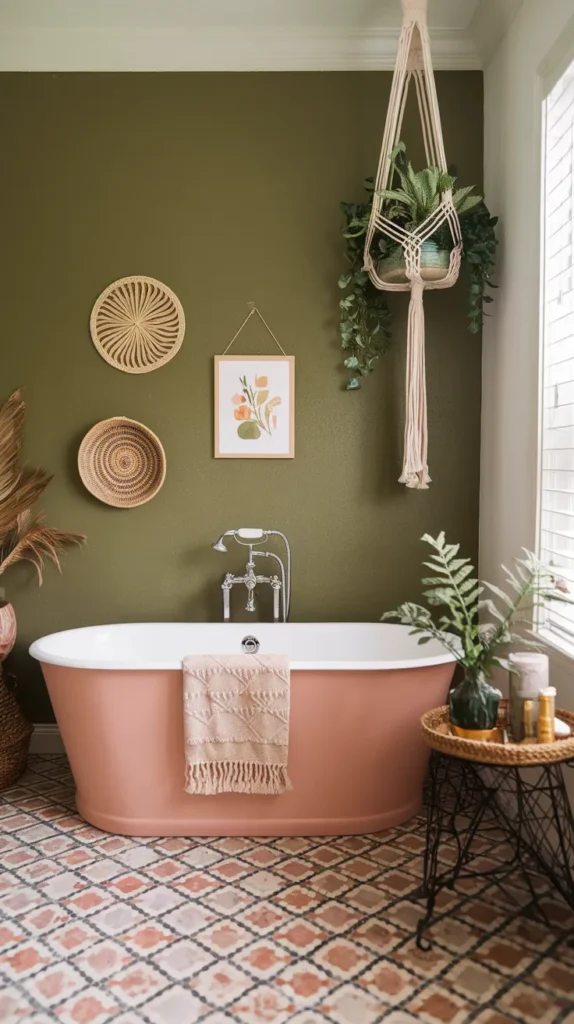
221	34
245	14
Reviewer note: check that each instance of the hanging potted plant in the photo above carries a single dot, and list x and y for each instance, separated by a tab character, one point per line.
23	537
478	648
417	197
365	319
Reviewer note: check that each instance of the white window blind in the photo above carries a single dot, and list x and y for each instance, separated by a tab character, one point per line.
556	540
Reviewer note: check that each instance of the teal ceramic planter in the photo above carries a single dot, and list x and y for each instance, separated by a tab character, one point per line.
435	263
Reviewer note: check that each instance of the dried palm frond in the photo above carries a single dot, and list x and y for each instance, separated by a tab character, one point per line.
19	489
24	537
11	426
32	541
28	489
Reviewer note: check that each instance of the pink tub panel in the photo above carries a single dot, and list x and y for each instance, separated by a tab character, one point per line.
356	757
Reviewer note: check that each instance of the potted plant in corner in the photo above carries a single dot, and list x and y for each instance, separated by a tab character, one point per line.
23	537
365	318
477	647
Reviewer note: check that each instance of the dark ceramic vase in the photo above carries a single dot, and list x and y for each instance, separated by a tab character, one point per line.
474	704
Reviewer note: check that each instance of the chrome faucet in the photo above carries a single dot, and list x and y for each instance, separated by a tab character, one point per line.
250	579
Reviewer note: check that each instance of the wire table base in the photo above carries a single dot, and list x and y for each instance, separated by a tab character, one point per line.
530	806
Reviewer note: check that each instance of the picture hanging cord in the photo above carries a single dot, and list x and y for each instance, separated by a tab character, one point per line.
253	309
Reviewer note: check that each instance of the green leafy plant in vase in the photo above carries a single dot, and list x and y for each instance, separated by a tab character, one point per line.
477	646
365	317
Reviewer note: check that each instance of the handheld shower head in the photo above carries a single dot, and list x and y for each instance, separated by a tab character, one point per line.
219	545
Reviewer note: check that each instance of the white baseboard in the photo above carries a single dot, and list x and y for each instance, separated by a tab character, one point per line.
46	739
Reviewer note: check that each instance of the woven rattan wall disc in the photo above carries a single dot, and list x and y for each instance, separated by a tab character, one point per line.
121	462
137	324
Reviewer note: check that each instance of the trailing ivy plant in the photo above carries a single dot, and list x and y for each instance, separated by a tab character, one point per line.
365	319
479	253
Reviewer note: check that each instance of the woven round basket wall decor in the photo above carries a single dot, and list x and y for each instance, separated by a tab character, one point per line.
137	324
122	462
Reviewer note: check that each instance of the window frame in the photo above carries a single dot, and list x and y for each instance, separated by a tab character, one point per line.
556	65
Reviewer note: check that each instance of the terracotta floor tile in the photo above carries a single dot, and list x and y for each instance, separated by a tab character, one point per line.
389	983
454	935
103	959
55	984
506	956
304	984
221	984
14	1005
351	1005
263	1005
136	983
343	958
183	959
263	959
493	1017
474	981
174	1006
89	1007
557	978
300	936
437	1005
531	1005
380	938
422	963
103	929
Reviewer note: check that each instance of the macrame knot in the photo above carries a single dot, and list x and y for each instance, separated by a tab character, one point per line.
428	255
415	10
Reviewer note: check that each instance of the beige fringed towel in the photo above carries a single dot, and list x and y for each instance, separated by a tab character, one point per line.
236	722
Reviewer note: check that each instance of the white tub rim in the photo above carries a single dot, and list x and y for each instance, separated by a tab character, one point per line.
431	654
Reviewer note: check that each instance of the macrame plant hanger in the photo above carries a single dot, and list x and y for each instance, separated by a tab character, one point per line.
414	63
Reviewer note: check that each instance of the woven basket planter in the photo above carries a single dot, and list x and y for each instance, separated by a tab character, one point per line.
436	731
15	733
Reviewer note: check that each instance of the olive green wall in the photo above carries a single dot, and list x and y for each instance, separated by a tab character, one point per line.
226	187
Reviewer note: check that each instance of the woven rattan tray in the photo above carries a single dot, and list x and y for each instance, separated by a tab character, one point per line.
436	732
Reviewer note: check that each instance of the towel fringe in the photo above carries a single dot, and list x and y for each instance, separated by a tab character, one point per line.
211	777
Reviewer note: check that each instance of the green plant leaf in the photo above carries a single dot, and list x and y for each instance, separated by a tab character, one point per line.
249	431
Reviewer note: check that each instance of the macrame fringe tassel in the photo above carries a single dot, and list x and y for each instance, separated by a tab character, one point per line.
211	777
415	469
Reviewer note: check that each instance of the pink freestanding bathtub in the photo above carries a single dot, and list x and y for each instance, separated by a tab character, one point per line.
356	757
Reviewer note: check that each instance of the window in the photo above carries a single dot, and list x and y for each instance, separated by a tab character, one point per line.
556	540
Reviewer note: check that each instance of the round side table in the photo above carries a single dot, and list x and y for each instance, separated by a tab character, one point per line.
519	791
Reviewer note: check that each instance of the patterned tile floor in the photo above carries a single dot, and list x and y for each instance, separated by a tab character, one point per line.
97	928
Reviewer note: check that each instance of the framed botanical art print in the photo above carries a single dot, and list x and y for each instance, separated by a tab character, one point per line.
254	407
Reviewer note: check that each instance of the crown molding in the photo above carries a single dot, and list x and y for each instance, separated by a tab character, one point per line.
126	49
489	25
